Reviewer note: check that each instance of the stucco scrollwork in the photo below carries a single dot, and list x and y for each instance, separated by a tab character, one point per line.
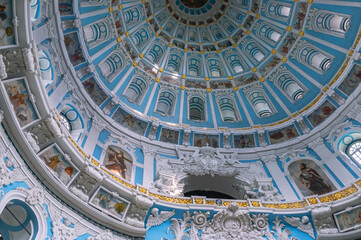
63	228
138	210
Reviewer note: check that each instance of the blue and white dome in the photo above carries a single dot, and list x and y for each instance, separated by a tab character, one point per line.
214	66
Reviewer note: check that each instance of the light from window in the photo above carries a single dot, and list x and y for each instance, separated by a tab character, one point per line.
355	151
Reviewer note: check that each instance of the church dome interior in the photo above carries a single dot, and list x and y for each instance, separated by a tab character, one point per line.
180	119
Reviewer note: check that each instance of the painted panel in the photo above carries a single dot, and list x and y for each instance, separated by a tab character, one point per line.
309	178
59	165
19	97
110	203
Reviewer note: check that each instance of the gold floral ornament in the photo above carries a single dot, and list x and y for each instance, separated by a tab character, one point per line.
339	195
313	201
119	207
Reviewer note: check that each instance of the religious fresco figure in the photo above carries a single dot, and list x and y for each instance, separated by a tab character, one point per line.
310	178
313	181
116	161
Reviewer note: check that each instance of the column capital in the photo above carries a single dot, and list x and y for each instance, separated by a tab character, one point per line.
316	144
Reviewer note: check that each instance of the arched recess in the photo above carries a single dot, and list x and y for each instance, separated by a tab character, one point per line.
35	214
174	62
72	119
194	65
113	64
227	107
235	62
137	88
197	107
214	66
156	52
121	161
46	68
309	176
167	99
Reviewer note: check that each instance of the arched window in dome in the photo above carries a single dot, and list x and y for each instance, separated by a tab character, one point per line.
156	52
268	33
235	14
161	17
170	26
18	221
336	24
253	50
196	108
85	3
142	36
354	151
118	161
46	68
194	64
313	57
350	145
112	65
34	10
136	89
174	62
205	35
235	61
214	66
72	120
157	4
287	83
133	16
242	3
277	10
193	34
217	32
97	32
227	25
181	31
166	102
259	100
227	107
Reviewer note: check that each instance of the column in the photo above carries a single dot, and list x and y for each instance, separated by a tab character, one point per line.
149	152
279	177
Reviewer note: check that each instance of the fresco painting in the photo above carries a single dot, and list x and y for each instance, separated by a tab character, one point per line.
66	7
202	140
321	113
19	97
110	203
270	66
95	92
283	134
118	162
169	136
7	31
130	122
348	219
352	81
73	47
300	16
309	178
58	165
243	141
117	16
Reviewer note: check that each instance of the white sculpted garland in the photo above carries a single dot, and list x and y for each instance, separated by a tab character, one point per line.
229	224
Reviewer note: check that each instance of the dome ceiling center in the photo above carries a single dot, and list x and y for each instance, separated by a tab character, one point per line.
194	3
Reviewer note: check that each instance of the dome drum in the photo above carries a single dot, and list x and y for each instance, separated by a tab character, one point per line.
140	105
